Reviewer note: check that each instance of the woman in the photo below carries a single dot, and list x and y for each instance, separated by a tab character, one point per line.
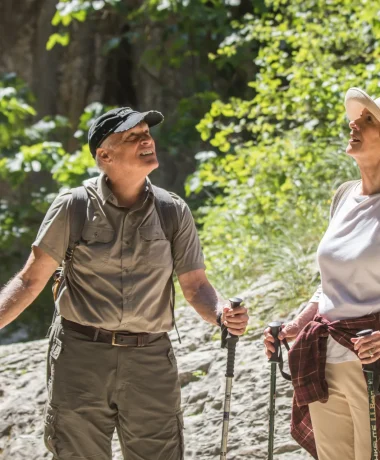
347	301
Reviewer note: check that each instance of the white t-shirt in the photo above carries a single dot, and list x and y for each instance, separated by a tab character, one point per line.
348	258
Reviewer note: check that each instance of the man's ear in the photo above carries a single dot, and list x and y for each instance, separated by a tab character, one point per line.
103	155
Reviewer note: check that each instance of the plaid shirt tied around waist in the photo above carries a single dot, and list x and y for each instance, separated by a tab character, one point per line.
307	361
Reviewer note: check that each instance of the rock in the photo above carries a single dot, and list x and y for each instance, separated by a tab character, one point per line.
201	364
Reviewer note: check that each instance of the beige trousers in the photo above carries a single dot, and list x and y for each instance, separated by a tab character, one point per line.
95	388
341	426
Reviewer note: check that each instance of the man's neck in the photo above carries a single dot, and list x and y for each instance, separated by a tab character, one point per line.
127	190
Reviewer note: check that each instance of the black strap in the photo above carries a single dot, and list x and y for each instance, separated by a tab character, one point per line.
281	363
169	219
341	194
167	212
78	212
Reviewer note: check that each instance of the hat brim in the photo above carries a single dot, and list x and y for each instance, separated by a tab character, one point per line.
152	118
356	100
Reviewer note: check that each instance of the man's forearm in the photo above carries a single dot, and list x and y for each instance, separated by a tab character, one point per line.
14	298
207	302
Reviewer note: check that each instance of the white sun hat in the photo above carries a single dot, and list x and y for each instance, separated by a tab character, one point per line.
356	100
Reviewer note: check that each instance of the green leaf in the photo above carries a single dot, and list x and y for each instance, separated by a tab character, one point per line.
61	39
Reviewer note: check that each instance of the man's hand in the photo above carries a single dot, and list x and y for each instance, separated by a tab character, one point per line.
235	319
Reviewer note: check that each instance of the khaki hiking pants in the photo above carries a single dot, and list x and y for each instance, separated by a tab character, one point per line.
341	425
95	387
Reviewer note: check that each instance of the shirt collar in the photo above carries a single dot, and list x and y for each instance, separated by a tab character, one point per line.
104	191
106	194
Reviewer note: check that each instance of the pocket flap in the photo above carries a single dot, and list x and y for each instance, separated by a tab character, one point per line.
152	232
96	233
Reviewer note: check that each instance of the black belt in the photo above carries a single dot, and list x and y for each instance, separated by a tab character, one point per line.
118	339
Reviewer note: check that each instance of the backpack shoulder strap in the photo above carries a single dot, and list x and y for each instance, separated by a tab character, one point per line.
78	211
341	194
167	212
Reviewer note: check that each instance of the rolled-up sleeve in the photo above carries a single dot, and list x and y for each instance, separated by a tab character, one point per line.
53	235
187	251
317	295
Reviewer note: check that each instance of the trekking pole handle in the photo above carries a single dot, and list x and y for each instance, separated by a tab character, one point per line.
235	302
364	333
275	328
231	341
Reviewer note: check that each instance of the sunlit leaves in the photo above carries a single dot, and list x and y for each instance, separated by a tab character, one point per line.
61	39
281	153
74	10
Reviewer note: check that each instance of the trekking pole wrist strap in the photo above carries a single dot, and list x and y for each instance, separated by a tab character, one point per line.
219	318
285	375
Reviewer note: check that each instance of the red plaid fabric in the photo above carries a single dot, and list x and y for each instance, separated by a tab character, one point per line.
307	360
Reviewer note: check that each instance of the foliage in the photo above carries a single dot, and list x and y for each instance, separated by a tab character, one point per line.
173	48
279	155
271	75
35	166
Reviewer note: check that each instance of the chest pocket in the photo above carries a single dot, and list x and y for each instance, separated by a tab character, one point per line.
96	245
155	248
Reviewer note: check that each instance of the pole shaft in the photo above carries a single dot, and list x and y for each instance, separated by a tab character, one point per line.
372	414
226	418
368	371
272	407
231	341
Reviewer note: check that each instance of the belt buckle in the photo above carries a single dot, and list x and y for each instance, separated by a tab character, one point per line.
142	340
118	344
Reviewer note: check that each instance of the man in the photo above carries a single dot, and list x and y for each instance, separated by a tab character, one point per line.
110	361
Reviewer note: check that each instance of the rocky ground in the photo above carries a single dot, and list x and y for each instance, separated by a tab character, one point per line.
201	364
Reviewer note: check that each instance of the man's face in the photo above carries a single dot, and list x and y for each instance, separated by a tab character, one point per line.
132	151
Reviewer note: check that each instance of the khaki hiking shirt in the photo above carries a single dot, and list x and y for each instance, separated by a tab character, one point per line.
120	274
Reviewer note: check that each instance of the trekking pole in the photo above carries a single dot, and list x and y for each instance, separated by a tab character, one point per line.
230	341
275	328
368	369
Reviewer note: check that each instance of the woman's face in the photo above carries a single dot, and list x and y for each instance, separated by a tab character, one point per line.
364	136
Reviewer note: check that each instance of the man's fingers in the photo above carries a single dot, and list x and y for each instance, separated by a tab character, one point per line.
234	311
236	331
236	319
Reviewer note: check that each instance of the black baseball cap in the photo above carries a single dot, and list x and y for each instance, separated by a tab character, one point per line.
117	121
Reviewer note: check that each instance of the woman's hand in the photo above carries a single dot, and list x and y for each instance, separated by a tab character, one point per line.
288	331
368	347
292	329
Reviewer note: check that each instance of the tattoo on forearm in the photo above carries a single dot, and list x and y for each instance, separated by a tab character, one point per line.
207	301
